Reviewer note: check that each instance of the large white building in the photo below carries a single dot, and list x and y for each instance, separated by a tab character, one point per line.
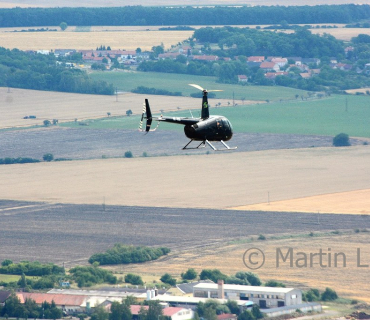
265	297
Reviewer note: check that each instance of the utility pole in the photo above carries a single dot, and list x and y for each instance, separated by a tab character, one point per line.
116	94
318	217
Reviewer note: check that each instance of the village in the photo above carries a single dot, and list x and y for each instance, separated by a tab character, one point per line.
272	66
178	303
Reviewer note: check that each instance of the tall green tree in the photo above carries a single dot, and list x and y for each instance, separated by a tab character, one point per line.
63	26
190	274
155	310
100	313
120	311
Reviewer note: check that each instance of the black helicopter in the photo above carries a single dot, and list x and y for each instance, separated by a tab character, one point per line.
205	129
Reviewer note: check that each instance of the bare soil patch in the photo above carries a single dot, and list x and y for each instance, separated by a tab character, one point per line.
83	143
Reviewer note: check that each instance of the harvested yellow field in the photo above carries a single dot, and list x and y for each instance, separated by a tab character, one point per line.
349	281
342	33
354	202
361	90
17	103
203	181
129	40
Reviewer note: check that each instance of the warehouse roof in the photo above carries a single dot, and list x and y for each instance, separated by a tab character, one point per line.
237	287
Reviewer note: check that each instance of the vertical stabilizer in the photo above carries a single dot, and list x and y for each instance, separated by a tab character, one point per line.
205	107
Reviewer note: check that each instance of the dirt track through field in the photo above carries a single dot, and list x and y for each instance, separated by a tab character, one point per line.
204	181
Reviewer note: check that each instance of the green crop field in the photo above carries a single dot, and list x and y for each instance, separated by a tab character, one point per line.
327	116
126	81
8	278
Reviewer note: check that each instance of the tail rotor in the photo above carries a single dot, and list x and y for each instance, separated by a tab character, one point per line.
146	114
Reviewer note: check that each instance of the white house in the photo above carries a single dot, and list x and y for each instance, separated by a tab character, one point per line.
265	297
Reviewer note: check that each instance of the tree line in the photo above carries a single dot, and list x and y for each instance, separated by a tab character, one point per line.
86	276
249	42
28	268
239	43
29	309
139	15
19	69
124	254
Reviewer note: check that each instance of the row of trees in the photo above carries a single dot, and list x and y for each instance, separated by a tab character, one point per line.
147	90
315	295
28	268
123	254
29	309
88	276
18	160
249	42
138	15
19	69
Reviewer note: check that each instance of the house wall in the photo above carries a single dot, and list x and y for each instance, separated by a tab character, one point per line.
184	314
270	300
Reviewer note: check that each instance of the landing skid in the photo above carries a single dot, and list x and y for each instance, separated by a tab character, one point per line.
203	145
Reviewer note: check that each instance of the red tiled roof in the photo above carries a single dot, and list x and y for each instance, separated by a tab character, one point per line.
256	58
207	58
135	309
59	299
267	65
170	311
225	316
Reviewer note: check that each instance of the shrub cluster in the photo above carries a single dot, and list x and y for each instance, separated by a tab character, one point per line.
88	276
123	254
30	268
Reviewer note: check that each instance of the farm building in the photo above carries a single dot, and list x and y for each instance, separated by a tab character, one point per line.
175	313
68	303
265	297
3	296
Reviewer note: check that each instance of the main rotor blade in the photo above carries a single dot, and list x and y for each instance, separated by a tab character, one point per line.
214	90
196	86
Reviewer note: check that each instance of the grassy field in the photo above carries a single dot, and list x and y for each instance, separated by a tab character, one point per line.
126	81
327	116
8	278
12	278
